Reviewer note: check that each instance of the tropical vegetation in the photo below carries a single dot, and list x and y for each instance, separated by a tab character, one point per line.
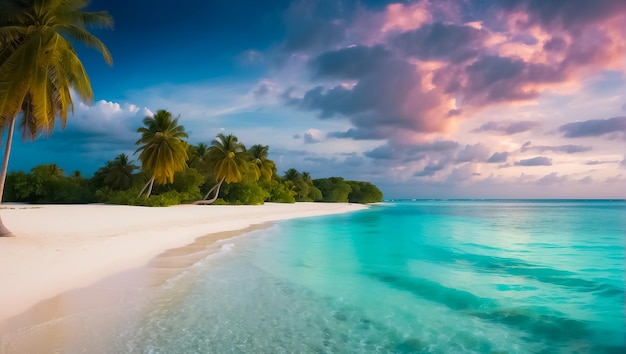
226	171
39	66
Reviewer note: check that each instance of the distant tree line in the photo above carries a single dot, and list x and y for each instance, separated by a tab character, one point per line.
174	172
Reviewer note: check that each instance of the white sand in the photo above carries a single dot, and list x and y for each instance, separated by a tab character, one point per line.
62	247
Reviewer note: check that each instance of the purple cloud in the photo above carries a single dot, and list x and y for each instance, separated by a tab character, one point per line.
498	157
594	127
508	128
439	41
535	161
376	103
431	169
556	14
595	162
565	149
477	153
551	179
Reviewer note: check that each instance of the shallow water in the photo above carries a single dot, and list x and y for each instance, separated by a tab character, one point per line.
405	277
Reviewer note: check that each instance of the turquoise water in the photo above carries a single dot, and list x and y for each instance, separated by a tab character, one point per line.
403	277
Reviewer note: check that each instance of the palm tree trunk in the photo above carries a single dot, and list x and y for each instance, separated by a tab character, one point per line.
150	183
214	187
150	188
217	193
4	232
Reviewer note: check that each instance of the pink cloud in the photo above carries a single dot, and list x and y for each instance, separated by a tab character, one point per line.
405	18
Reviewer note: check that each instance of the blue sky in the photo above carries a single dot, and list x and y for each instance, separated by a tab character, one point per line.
426	99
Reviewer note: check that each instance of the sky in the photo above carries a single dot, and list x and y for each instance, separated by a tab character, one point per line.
425	99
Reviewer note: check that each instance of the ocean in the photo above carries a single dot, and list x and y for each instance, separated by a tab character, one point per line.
400	277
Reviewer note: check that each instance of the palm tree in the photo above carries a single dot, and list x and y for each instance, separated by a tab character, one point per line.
299	182
119	173
291	175
164	152
198	155
39	66
262	167
229	160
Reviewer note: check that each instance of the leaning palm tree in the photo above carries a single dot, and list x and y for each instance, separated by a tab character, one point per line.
229	160
163	152
39	66
262	167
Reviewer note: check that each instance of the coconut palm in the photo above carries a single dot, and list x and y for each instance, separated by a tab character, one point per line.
39	66
198	155
118	174
299	181
291	175
262	167
163	151
229	160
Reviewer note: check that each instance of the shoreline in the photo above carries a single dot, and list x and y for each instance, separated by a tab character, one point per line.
59	248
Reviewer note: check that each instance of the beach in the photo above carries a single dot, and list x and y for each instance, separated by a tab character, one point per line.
58	248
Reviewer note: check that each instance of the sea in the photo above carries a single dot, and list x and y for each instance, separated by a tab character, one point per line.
416	276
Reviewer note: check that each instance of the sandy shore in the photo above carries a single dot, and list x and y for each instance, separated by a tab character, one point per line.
64	247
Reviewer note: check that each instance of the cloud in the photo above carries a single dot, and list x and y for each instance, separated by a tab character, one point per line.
441	41
264	90
384	152
431	169
413	70
595	162
463	173
498	157
594	127
100	127
551	179
508	128
477	153
312	136
495	79
556	14
535	161
565	149
381	94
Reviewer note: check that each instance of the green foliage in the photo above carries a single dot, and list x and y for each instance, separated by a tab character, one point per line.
126	197
163	200
245	193
302	185
129	197
364	192
116	174
47	184
315	195
188	182
220	201
279	192
334	189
